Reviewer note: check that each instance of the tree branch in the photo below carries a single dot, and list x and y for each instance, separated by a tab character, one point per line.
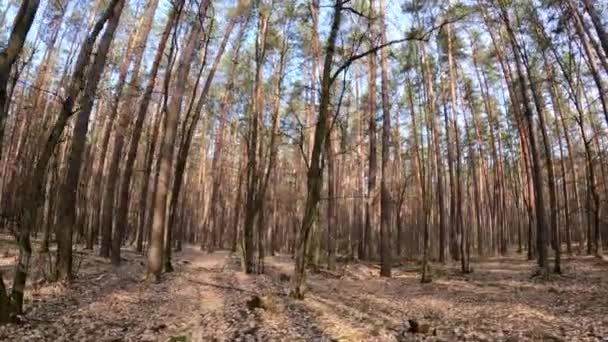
412	37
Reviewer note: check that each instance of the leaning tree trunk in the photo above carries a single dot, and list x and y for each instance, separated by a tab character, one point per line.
171	121
67	210
123	207
597	23
120	128
591	60
315	172
188	130
531	132
8	56
33	185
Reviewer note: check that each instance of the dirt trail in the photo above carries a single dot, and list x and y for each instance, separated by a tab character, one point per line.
206	299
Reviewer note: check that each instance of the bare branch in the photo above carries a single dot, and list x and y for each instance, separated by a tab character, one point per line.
412	37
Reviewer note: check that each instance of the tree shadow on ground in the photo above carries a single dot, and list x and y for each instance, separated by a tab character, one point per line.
109	303
499	298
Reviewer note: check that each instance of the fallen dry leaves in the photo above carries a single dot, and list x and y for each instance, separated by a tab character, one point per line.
207	298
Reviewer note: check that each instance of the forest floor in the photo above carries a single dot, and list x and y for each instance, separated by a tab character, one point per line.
207	298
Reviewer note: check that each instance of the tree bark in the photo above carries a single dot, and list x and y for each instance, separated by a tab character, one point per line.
171	121
371	203
34	181
315	172
120	128
597	23
253	144
536	167
67	209
123	207
8	56
385	195
540	109
217	158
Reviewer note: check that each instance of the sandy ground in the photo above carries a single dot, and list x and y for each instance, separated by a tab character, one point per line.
206	299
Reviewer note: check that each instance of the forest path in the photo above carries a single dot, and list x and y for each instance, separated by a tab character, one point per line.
208	298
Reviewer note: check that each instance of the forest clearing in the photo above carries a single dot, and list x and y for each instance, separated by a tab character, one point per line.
207	298
314	170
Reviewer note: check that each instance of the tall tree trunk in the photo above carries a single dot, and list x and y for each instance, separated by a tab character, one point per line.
417	167
476	162
448	123
540	109
253	144
238	204
100	206
123	207
188	133
558	108
315	172
597	23
536	167
120	128
8	56
370	205
462	230
67	209
217	158
431	112
34	181
272	153
385	195
171	121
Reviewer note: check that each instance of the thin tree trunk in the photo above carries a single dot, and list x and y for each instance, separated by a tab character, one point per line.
8	56
315	172
385	195
597	23
188	132
370	206
120	128
136	136
536	167
540	108
217	158
171	121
